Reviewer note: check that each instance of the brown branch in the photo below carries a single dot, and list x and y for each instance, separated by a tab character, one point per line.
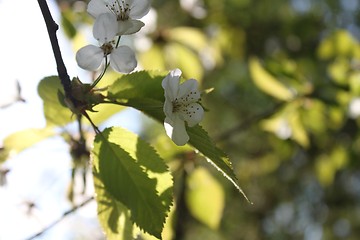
62	217
52	27
247	123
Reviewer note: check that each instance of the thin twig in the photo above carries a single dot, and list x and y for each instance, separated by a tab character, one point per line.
62	217
52	27
248	122
81	133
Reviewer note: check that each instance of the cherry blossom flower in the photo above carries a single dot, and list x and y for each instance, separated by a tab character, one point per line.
90	57
127	13
354	108
181	106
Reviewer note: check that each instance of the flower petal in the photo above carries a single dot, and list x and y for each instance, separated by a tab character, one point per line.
176	131
188	91
171	84
192	114
138	8
168	109
105	28
89	57
129	26
122	59
97	7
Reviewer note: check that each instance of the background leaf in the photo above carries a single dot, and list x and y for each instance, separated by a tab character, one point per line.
67	24
185	59
202	187
55	113
202	142
21	140
267	83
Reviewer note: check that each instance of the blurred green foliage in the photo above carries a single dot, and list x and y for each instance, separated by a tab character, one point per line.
286	75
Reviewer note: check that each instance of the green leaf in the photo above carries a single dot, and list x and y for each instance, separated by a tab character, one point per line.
202	142
338	70
190	37
133	174
66	23
354	82
201	187
299	133
287	123
185	59
328	164
198	139
22	140
113	216
267	83
151	103
55	112
338	43
148	106
137	85
153	58
103	112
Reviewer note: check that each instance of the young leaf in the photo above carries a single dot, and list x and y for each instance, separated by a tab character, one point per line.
51	90
21	140
133	174
267	83
55	112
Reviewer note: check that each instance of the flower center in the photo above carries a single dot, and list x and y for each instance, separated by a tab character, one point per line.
184	108
120	9
107	48
184	104
176	106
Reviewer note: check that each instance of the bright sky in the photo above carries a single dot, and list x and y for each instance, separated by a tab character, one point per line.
40	174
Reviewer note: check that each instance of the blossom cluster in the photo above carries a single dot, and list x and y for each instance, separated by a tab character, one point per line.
113	18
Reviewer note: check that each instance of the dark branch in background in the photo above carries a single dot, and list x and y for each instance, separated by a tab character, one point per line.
182	214
18	97
62	217
52	27
247	123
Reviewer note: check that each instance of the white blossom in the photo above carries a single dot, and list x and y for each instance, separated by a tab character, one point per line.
354	108
127	13
181	106
90	57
